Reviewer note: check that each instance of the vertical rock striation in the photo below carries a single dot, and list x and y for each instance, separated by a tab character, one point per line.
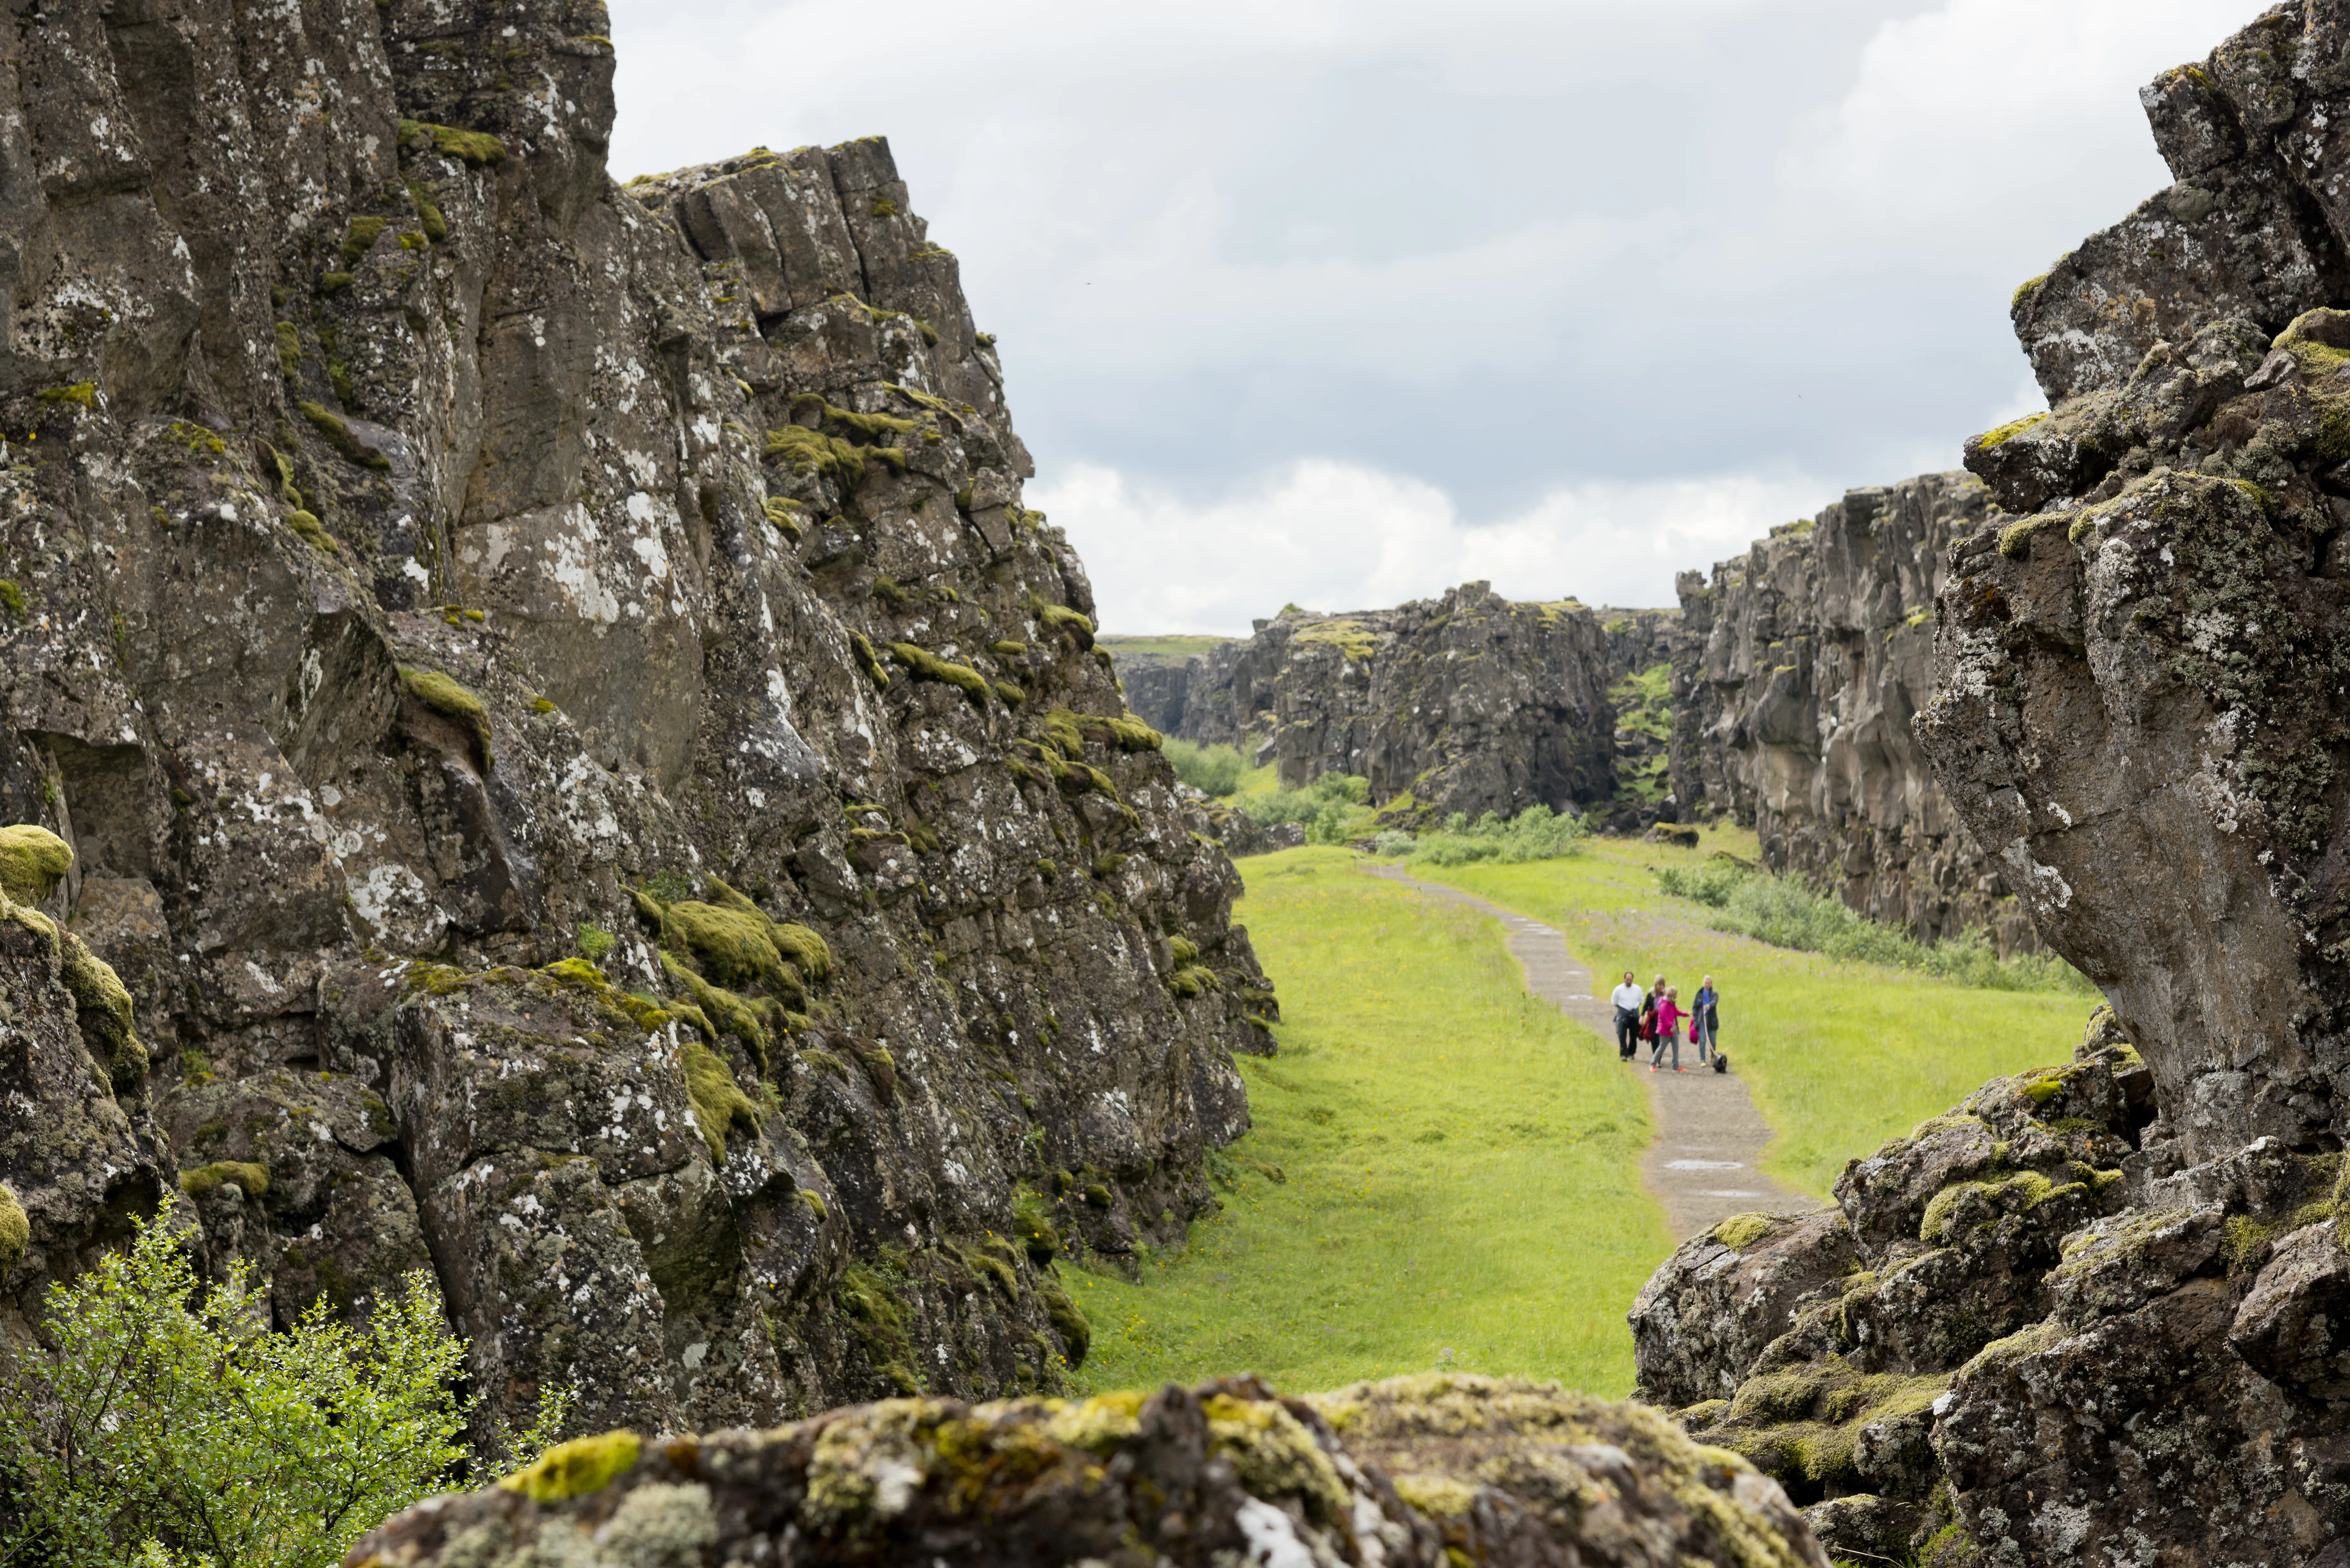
590	776
2095	1314
1470	703
1796	670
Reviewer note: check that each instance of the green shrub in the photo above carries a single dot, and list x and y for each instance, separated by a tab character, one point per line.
1216	770
1308	805
1536	833
1785	914
154	1423
1709	884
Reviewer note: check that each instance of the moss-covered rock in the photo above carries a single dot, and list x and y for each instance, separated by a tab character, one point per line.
16	1231
1415	1473
33	860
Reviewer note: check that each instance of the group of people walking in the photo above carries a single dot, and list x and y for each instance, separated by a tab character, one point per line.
1656	1017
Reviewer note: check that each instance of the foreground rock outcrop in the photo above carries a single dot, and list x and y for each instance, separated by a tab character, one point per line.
590	778
1796	670
2095	1315
1471	703
1420	1471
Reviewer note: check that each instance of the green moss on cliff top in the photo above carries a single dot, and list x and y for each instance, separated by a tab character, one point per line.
15	1230
2002	434
577	1468
254	1179
442	695
33	860
719	1101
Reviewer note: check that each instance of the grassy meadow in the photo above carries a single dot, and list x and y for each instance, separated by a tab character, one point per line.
1174	647
1839	1055
1459	1188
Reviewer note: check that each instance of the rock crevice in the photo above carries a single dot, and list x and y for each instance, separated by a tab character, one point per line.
591	777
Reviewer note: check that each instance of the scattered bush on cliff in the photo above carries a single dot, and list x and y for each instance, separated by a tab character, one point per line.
1786	914
1214	770
156	1423
1536	833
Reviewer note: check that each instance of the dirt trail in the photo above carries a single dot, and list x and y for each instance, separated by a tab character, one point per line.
1708	1135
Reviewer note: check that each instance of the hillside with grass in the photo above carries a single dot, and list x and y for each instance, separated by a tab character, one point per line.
1442	1174
1839	1052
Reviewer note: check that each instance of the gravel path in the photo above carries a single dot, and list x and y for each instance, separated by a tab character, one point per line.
1708	1135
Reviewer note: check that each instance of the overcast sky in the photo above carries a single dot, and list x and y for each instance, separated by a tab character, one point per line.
1344	302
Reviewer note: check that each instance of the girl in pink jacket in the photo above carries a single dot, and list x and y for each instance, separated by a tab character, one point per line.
1668	1028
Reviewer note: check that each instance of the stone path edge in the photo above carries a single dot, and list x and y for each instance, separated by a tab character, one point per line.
1701	1166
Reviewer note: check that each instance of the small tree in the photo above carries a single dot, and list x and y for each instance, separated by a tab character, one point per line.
153	1424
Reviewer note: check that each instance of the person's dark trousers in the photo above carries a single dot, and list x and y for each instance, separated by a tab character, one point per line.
1627	1029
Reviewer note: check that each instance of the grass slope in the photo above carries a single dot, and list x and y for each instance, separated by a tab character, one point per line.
1460	1191
1176	647
1839	1055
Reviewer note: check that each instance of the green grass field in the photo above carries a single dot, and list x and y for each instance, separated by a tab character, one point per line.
1839	1055
1460	1191
1176	647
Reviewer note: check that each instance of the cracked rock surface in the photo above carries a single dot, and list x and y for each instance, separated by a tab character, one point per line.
1470	703
1796	670
590	776
1408	1474
2095	1314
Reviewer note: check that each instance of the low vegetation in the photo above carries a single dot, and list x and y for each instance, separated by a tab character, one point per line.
1213	770
1442	1174
1536	833
1785	914
1643	702
1172	648
160	1424
1333	808
1840	1053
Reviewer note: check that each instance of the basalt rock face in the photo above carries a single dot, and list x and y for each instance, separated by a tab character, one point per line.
1796	670
1415	1473
591	779
2141	673
1471	703
2106	1300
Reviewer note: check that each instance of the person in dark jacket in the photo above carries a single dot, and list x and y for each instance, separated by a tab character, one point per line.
1704	1020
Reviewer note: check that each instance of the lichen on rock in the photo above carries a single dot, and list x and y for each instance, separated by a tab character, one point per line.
1469	702
447	600
1430	1472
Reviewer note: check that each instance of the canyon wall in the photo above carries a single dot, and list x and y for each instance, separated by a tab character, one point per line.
2095	1315
591	780
1470	703
1796	669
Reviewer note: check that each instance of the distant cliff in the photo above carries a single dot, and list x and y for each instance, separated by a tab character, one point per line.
1795	670
1469	702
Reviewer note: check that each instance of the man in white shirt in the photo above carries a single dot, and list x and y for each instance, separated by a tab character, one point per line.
1627	998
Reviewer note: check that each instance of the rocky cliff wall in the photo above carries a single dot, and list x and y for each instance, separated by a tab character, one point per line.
2095	1315
1471	703
1796	669
591	780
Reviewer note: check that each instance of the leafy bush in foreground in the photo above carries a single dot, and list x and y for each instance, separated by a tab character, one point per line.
1536	833
1215	769
155	1425
1785	914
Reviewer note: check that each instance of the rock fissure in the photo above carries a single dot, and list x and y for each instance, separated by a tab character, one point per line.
451	586
2128	1271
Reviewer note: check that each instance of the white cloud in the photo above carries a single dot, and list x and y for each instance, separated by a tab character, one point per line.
1470	255
1337	535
